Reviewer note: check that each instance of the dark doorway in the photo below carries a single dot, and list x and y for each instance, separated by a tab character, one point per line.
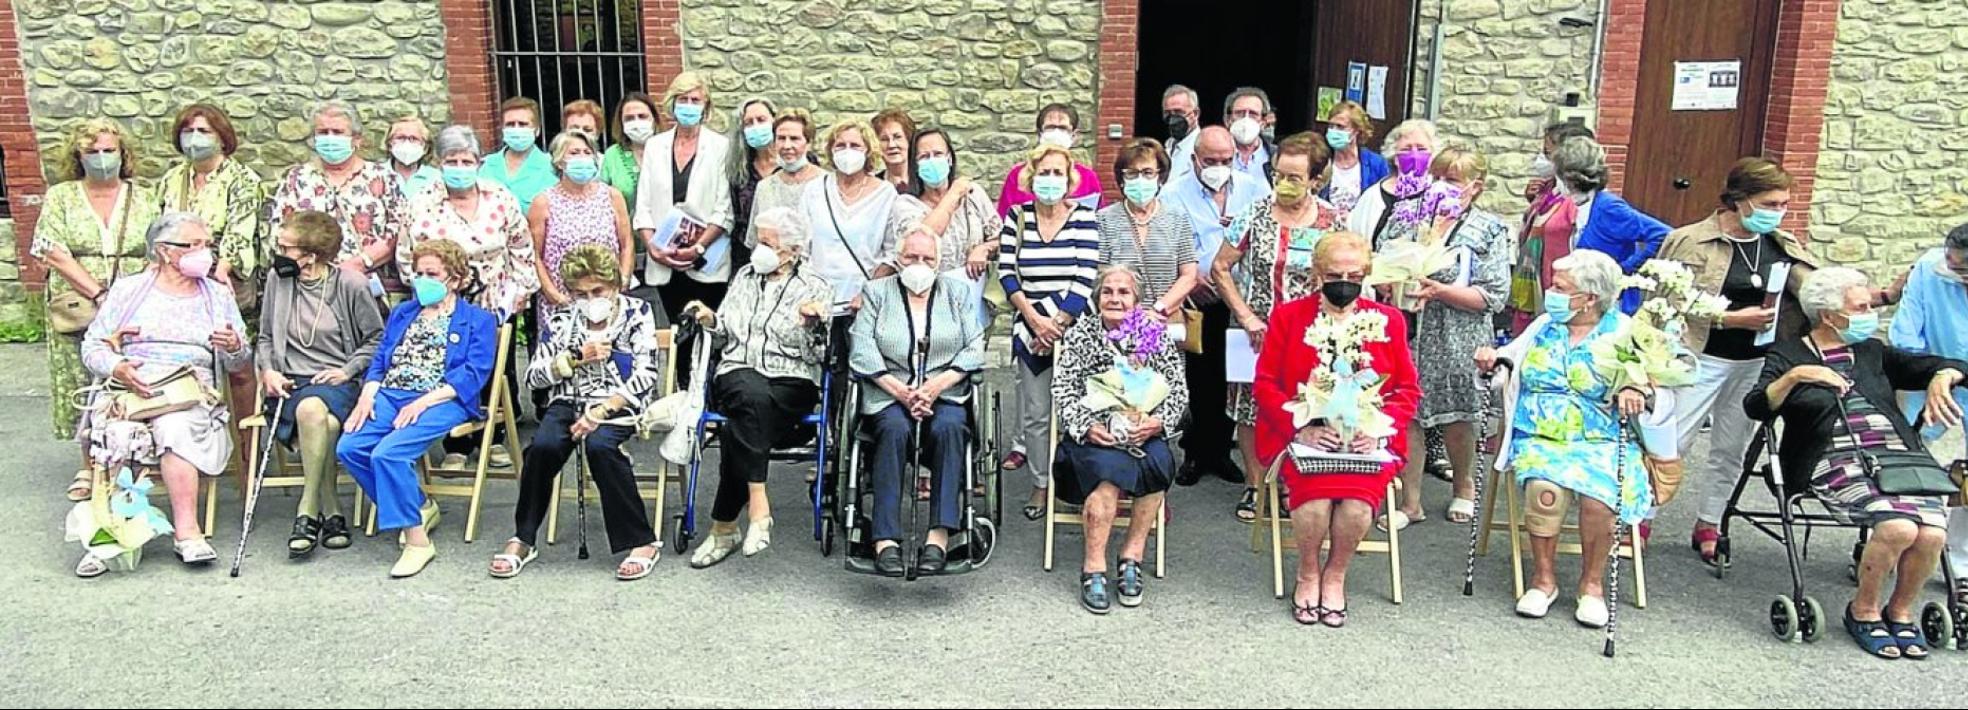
1216	46
1680	157
557	52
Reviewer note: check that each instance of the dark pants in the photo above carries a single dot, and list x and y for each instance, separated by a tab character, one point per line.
943	442
759	413
621	506
1207	440
676	294
469	443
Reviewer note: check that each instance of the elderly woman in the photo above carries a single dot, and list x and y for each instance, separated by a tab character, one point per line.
768	378
1272	243
1048	255
1333	506
1606	222
578	211
893	132
958	209
1141	233
1057	124
435	358
1119	450
1734	254
902	312
90	233
318	331
598	361
1391	210
1834	388
1354	169
1933	320
792	137
635	124
409	144
1562	432
170	319
686	168
752	161
518	165
1548	228
365	197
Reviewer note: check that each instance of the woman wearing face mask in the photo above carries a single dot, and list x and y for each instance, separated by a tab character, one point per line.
1048	254
1561	432
578	211
222	191
1057	126
1734	254
168	318
1272	244
518	164
1332	507
317	334
1142	234
1606	222
686	165
893	131
767	379
792	135
855	216
1391	210
1547	230
597	359
956	209
751	164
435	358
1354	169
409	151
90	234
918	305
621	166
365	197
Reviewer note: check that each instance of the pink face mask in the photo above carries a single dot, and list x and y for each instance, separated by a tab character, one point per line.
196	264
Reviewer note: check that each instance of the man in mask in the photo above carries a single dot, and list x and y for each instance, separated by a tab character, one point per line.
1179	114
1245	112
1933	319
1210	193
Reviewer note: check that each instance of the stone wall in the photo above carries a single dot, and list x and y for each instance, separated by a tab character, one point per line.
20	314
1891	179
978	68
264	61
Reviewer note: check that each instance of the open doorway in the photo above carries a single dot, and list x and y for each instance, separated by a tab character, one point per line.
1216	46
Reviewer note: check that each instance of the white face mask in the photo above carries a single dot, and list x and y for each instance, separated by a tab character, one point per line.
638	131
1246	130
1215	176
407	152
918	278
1541	167
765	260
1063	139
598	310
850	160
797	164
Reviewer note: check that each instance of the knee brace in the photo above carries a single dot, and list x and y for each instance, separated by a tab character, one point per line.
1544	508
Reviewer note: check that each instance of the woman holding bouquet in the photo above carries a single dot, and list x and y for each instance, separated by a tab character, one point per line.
1121	390
1362	394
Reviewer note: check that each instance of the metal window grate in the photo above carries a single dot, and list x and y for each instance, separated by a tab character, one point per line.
560	51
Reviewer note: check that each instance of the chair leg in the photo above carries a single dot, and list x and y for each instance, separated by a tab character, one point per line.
1394	550
1161	539
1270	502
1514	514
662	490
1640	574
211	506
553	515
1489	510
478	486
1050	497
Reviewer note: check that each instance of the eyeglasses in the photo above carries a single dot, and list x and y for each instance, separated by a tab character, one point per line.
1150	173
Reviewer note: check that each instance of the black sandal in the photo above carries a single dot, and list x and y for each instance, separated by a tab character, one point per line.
307	534
1247	508
335	533
1872	636
1912	643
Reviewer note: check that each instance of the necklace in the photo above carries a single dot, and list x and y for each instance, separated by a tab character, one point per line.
1755	265
320	309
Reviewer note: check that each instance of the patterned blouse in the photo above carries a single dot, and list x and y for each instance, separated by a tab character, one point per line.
632	373
498	245
1277	263
575	222
1084	353
172	331
68	223
760	326
974	222
230	203
370	207
418	363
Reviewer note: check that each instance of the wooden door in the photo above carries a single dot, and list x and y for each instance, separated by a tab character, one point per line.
1372	32
1680	156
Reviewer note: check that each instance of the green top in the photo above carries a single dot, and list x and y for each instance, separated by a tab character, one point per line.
535	175
232	204
67	222
620	170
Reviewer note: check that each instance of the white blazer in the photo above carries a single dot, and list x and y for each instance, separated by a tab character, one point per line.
709	194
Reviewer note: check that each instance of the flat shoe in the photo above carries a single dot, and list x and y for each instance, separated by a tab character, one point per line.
413	560
1535	603
514	563
335	533
889	561
1592	612
758	536
1401	521
80	488
931	560
713	550
195	551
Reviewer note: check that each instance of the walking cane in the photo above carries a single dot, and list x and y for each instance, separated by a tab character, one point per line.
913	465
581	494
1483	462
1613	554
259	479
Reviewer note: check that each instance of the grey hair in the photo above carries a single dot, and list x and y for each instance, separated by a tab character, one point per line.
335	107
456	138
1422	126
1581	163
1824	291
1180	89
935	241
1242	92
168	226
1594	273
1958	239
791	226
565	142
1110	270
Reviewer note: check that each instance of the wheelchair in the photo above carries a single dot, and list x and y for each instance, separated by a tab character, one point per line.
851	508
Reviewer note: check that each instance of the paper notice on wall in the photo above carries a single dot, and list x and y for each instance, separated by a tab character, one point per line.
1356	81
1377	93
1707	86
1329	96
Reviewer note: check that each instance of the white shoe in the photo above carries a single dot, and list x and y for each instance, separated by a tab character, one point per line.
500	457
1592	612
758	536
1534	604
194	551
453	462
714	549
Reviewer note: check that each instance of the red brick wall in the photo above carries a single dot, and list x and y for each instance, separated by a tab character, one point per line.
1120	22
1619	81
468	63
25	183
662	43
1793	131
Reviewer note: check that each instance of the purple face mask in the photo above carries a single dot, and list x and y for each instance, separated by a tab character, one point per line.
1414	162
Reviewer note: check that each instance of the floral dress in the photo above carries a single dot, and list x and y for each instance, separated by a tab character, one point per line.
68	223
498	246
230	203
1565	430
578	221
417	365
1445	336
369	206
1276	268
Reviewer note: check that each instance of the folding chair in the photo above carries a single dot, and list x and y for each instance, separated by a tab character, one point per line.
661	478
1514	526
499	412
209	487
1123	513
1279	523
285	473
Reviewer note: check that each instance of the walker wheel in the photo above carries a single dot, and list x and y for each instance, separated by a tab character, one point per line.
1721	567
682	536
827	538
1783	618
1811	620
1938	625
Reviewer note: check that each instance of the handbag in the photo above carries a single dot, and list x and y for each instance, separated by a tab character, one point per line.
1192	335
70	313
177	391
1897	473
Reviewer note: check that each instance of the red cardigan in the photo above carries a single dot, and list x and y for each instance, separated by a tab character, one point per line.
1285	363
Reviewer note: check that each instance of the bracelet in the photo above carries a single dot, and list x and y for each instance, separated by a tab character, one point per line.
367	263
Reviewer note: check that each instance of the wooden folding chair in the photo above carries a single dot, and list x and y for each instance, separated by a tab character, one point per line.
285	474
1123	513
1513	525
499	412
208	487
1279	522
663	475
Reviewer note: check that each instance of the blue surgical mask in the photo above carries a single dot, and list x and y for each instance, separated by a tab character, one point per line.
459	177
1050	189
1762	221
518	139
429	291
1859	327
933	171
1338	138
1558	306
758	135
688	114
582	170
334	150
1142	189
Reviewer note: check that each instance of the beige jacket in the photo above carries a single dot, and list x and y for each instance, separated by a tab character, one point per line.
1705	249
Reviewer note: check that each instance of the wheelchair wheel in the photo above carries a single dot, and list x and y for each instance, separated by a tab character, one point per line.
827	537
983	539
682	536
1783	618
1811	620
1938	625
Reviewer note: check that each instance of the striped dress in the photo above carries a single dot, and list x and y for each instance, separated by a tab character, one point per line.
1055	274
1848	490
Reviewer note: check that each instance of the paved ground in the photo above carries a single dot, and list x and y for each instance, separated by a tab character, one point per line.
790	628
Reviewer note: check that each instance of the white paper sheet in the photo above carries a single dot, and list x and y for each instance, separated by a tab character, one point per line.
1779	276
1377	93
1239	360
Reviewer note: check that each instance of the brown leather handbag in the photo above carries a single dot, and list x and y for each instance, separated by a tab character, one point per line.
70	312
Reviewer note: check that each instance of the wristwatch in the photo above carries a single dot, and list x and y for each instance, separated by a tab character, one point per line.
367	263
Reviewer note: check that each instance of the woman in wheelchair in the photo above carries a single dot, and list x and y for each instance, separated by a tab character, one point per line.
900	316
318	332
771	343
170	323
1561	433
1834	389
1115	442
597	360
426	379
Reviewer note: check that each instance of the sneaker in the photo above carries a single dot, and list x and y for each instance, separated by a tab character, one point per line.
500	457
1093	592
453	462
1130	584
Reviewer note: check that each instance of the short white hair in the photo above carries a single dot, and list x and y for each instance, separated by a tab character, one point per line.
169	226
1824	291
456	138
1180	89
335	107
1593	273
1422	126
790	225
920	230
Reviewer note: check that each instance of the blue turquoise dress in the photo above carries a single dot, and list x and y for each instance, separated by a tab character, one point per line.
1565	429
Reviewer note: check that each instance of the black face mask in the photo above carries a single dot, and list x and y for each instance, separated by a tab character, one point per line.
286	267
1178	125
1340	293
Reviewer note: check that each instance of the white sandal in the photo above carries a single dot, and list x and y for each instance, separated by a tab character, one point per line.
714	550
1400	520
758	536
1462	511
514	563
644	565
91	566
194	551
82	487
